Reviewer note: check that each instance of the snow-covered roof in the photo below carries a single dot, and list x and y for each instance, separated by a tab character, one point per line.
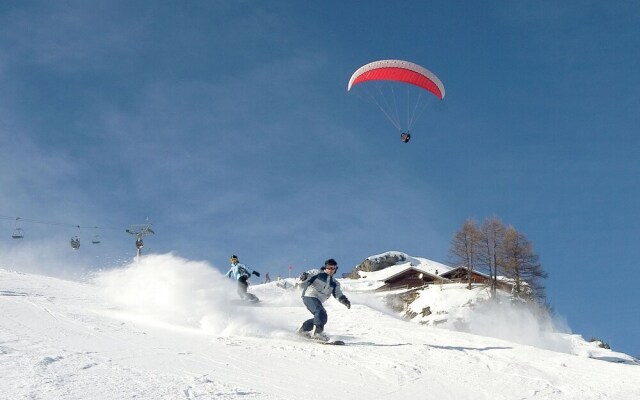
499	277
417	269
375	279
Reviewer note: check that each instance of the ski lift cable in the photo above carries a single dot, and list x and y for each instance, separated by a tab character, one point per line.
34	221
139	230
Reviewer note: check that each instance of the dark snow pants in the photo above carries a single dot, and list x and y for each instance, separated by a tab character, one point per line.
242	287
316	308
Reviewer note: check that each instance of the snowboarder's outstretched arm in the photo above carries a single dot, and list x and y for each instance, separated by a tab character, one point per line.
308	274
337	293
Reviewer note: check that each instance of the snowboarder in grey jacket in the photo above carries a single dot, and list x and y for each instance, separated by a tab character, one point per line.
318	286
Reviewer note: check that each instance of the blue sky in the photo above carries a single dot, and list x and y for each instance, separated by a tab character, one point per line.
228	125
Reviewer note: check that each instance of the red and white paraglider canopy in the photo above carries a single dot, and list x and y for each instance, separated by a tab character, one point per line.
400	71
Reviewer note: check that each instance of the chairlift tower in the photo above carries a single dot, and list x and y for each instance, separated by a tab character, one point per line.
139	231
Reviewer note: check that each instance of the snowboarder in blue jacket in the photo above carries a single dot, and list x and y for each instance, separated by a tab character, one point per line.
318	286
241	273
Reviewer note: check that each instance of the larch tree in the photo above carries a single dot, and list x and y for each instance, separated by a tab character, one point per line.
521	264
492	235
465	246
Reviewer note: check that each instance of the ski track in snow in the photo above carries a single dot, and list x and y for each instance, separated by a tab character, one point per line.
65	340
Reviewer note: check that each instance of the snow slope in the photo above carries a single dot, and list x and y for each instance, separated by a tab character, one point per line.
165	328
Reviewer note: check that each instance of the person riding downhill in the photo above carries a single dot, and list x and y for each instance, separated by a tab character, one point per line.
318	286
241	273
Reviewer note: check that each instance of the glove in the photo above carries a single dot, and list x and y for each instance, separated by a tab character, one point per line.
256	273
345	301
304	276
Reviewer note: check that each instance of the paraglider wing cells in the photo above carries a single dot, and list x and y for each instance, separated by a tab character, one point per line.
401	71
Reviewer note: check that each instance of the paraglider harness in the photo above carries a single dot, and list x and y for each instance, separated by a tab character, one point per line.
405	137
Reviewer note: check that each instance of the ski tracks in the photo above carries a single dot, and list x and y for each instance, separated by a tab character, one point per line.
204	387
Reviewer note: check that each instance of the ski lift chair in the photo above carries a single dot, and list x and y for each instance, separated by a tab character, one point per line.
18	233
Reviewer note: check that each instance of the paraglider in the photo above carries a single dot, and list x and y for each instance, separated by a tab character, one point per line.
381	82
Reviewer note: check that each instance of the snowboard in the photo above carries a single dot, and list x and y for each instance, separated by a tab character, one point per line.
328	342
246	302
252	298
332	342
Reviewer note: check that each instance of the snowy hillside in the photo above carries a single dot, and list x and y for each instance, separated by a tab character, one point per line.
167	328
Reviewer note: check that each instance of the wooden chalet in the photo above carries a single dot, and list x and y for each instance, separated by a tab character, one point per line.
411	278
459	274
